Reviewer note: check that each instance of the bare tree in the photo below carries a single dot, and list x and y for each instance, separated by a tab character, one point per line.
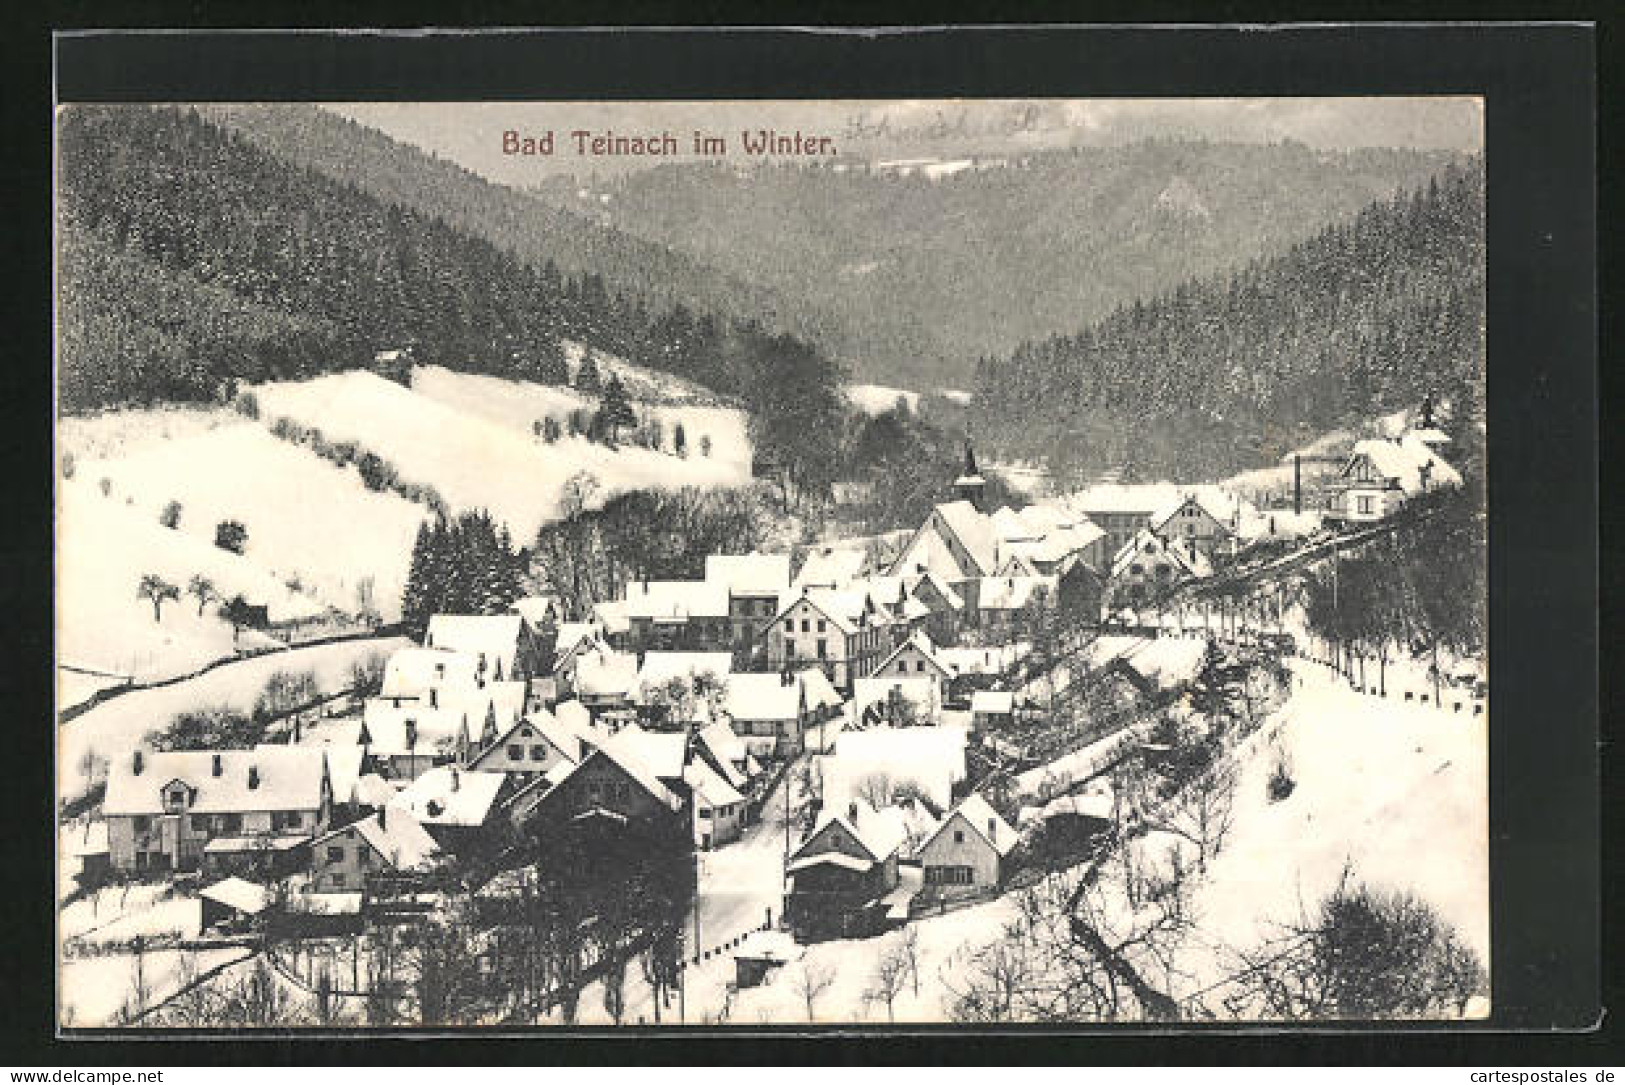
891	971
157	591
909	947
875	789
203	590
810	982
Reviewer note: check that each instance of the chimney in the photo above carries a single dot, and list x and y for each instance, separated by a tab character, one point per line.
434	698
455	782
253	777
137	763
993	830
852	811
215	768
381	811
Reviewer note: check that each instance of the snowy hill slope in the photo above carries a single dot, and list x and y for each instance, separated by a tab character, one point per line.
104	548
306	517
477	460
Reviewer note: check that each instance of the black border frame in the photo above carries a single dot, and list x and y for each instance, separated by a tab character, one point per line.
1539	85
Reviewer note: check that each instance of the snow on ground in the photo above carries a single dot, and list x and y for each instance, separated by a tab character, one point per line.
475	462
111	434
955	395
305	517
117	726
1397	792
1167	661
879	398
518	405
104	548
640	383
93	989
75	687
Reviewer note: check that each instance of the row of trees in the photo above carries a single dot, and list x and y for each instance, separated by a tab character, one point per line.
1421	587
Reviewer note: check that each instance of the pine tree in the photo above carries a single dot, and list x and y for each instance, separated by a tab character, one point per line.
617	408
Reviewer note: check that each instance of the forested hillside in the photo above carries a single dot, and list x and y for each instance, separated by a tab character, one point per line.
538	233
1234	370
924	274
193	259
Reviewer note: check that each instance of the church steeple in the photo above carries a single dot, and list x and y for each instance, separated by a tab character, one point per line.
970	485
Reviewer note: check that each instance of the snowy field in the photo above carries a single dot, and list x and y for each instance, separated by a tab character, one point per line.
121	723
306	517
94	989
475	461
104	548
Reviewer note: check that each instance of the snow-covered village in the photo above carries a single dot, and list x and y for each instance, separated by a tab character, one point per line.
505	605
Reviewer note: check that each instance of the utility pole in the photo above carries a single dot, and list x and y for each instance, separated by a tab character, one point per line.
1297	485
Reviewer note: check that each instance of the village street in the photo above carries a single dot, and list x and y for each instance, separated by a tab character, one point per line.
741	883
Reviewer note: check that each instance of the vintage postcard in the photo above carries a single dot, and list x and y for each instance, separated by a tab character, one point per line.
742	563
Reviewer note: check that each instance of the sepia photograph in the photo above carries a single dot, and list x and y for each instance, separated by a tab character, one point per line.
740	563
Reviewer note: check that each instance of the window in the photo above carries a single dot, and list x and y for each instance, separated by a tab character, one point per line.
902	666
199	823
959	836
338	881
1136	568
538	753
823	648
233	823
821	625
919	666
335	854
516	752
1363	504
1190	531
806	626
143	823
948	875
705	813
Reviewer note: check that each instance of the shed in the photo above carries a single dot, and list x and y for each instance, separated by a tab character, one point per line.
231	902
761	953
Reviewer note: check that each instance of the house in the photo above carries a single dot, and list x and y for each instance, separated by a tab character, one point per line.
391	840
401	740
531	746
755	582
614	625
1192	521
505	647
967	852
678	615
841	631
717	806
457	806
727	753
915	657
1383	473
164	809
612	788
769	712
605	682
1044	539
842	871
411	673
1148	567
992	709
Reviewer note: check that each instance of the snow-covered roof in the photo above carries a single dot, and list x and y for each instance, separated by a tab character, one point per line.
1014	592
984	821
344	771
1095	803
921	643
881	832
676	600
448	795
544	723
395	835
413	728
572	634
722	741
626	755
1403	461
974	530
612	615
496	636
262	779
661	667
573	717
985	660
537	609
238	895
829	858
711	789
1192	562
763	696
830	567
661	753
993	701
749	574
1207	499
411	672
931	757
606	673
769	946
373	790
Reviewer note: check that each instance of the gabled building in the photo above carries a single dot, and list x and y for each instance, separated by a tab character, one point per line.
1382	474
610	788
885	700
163	810
771	712
841	873
841	632
531	746
916	658
1004	602
1148	567
1192	521
957	543
388	842
830	567
457	807
967	852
